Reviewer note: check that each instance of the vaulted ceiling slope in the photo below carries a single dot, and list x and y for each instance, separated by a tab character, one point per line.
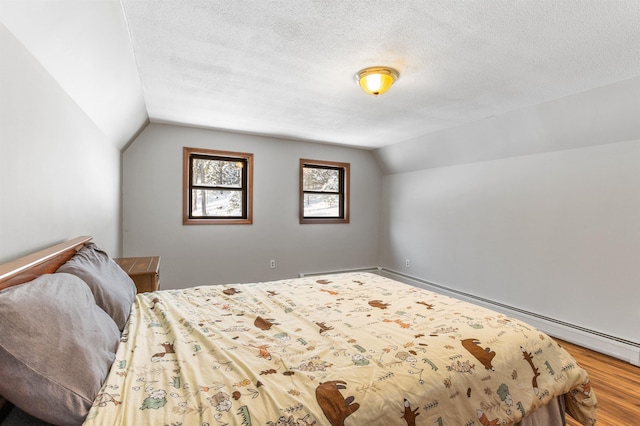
85	47
285	67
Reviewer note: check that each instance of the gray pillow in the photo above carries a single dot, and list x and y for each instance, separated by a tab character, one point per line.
113	289
56	347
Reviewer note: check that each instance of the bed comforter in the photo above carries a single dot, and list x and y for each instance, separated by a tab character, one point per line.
347	349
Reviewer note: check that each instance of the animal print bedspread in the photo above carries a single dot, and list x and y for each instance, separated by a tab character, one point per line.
351	349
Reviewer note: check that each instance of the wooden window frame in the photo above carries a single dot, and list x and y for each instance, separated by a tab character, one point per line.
247	189
344	190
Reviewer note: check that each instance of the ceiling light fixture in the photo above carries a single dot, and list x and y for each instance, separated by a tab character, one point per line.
376	80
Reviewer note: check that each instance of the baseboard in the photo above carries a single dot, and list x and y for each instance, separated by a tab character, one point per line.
610	345
340	271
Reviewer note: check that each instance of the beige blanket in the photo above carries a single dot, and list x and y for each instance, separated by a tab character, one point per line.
350	349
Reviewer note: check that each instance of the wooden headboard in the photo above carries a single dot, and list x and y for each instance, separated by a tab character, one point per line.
41	262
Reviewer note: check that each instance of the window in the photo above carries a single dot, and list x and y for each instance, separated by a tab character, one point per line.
217	187
324	192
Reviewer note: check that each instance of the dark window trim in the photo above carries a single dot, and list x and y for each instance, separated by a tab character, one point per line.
343	192
246	158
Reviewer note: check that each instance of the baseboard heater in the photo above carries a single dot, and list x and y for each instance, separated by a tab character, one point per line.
375	270
623	349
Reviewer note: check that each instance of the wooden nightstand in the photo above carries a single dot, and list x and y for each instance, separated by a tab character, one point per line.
144	271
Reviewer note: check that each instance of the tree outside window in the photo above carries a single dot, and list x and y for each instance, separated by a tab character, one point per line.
217	187
324	191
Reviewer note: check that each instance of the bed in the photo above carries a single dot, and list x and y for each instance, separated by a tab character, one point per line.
342	349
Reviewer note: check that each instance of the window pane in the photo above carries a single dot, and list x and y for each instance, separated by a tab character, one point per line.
315	179
321	205
216	203
217	173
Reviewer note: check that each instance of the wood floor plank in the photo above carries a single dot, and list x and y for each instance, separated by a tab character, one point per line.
616	384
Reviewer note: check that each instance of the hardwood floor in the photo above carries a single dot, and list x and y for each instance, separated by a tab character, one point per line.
616	384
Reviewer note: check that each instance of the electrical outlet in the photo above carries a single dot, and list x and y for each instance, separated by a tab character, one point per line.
407	263
272	264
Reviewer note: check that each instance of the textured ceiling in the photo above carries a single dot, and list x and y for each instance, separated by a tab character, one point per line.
286	68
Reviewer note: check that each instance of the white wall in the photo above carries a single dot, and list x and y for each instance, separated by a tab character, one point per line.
213	254
555	233
59	174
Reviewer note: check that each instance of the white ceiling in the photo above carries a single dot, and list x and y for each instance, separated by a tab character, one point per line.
285	68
